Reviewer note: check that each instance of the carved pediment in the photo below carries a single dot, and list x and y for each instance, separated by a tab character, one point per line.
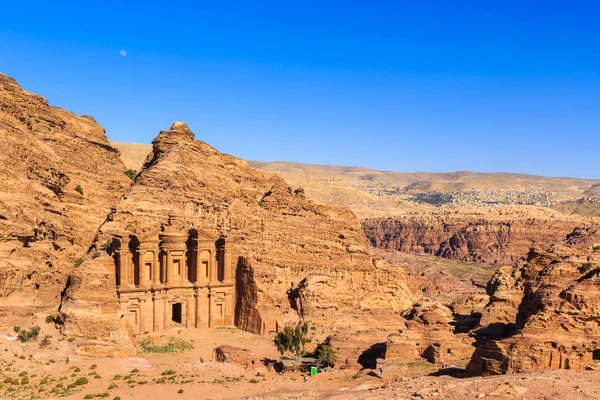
204	234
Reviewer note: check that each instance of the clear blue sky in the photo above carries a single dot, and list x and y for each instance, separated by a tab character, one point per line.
395	85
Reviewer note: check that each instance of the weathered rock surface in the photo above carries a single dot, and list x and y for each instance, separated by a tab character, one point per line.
552	302
501	236
294	257
429	334
59	178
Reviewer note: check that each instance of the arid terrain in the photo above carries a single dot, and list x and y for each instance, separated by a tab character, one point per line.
450	285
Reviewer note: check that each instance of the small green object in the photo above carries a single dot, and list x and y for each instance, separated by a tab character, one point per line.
313	371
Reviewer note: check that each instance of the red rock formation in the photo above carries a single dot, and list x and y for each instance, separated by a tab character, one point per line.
557	298
59	178
294	258
429	334
491	235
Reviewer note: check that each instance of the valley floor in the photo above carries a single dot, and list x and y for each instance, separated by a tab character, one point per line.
54	372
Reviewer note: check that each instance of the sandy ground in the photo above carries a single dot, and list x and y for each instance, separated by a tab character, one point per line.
184	376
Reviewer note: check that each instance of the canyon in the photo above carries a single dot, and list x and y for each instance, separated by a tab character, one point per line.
114	247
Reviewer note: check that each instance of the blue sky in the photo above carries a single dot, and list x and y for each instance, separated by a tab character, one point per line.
395	85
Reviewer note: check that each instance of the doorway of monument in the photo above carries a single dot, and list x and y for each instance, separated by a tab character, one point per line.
176	313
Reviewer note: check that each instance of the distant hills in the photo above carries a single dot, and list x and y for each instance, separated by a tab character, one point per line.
376	193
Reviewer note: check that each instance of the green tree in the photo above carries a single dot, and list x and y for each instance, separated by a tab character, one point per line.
292	340
325	354
79	189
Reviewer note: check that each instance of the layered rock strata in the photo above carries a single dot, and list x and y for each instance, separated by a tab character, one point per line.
59	178
549	307
501	236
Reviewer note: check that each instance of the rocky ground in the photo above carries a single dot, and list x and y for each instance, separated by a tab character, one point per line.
51	372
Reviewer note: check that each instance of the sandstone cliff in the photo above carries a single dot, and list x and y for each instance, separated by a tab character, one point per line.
502	235
59	177
295	258
550	307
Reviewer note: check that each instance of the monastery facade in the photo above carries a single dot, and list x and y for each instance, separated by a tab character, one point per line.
171	278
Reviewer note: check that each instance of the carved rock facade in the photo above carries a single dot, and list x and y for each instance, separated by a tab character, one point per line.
173	278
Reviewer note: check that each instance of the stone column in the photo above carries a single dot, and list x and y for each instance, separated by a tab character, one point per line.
211	309
227	262
183	274
213	268
156	314
155	270
169	269
142	268
125	262
197	300
167	315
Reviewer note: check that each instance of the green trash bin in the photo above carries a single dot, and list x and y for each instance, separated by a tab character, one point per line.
313	371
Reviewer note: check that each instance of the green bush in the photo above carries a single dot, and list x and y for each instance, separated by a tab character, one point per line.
78	262
585	267
81	381
131	173
16	328
25	336
180	391
79	189
89	396
112	386
325	354
96	255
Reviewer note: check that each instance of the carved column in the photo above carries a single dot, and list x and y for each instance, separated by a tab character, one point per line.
227	262
156	308
183	272
166	315
142	268
125	260
169	269
155	270
210	309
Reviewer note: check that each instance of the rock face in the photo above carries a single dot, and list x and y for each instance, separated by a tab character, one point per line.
292	257
490	235
552	304
429	334
59	178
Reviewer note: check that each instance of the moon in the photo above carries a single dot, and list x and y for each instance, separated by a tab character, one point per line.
123	53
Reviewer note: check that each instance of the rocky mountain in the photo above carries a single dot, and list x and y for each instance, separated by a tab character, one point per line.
493	235
544	314
59	178
295	258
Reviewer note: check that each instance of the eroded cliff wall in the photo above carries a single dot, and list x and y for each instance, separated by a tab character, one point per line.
492	235
550	308
59	178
